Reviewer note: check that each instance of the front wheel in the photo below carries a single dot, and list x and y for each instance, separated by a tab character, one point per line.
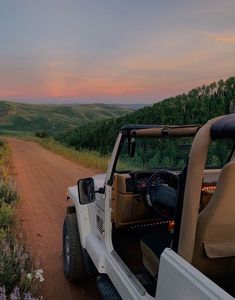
73	258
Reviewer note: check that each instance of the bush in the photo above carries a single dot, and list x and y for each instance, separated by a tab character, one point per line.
7	194
41	134
6	215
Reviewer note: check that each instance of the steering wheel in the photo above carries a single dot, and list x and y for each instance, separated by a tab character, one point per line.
161	193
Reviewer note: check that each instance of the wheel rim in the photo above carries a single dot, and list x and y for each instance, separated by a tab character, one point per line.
67	249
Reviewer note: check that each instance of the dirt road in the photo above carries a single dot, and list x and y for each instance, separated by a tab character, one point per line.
41	179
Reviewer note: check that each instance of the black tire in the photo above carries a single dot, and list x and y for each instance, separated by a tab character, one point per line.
73	258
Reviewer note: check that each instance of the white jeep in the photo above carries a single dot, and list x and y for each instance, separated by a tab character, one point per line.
161	222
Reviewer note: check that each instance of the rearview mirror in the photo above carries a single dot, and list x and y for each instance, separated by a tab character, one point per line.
86	190
131	147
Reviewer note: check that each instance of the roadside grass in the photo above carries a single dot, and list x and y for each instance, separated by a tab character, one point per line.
17	133
87	158
18	279
90	159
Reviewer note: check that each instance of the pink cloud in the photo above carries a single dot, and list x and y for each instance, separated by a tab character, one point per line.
224	38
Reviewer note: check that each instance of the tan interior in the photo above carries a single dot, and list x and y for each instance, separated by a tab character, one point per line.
150	259
208	187
207	237
192	197
214	252
127	208
205	199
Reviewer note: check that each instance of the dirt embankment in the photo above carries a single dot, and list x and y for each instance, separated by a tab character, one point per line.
41	180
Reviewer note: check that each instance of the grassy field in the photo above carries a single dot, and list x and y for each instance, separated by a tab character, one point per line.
16	133
54	118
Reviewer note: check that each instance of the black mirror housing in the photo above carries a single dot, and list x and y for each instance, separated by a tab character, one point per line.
131	147
86	190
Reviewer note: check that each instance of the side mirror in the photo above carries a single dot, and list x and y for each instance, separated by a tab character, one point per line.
131	147
86	190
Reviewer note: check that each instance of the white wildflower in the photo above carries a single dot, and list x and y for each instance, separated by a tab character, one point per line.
39	275
29	276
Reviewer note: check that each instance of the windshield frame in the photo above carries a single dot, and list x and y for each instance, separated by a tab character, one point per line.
147	131
154	153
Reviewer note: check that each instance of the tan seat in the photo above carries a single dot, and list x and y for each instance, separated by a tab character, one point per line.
214	250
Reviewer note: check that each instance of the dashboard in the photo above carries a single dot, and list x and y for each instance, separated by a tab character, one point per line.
129	190
136	181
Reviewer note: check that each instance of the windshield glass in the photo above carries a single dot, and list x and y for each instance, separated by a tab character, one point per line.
169	153
153	153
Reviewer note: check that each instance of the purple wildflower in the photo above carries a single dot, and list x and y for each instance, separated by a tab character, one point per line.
2	293
16	294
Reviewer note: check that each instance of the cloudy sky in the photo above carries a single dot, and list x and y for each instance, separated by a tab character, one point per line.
115	51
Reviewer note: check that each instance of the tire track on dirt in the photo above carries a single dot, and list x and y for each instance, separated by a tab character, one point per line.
42	178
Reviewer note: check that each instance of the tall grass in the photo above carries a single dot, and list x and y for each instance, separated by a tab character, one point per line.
16	133
90	159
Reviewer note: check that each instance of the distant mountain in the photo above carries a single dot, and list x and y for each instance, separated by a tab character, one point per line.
55	118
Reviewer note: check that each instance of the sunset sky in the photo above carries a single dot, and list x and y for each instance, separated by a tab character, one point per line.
114	51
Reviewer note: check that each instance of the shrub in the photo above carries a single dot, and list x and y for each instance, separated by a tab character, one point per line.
6	215
7	194
41	134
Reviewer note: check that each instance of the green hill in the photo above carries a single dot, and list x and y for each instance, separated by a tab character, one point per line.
54	118
196	107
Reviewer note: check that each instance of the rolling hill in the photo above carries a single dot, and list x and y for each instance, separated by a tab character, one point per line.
196	107
54	118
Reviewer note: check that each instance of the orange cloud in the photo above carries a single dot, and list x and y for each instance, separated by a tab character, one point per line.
61	80
92	87
224	38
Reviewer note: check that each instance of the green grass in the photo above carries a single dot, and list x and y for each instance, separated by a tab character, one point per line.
16	133
90	159
54	118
